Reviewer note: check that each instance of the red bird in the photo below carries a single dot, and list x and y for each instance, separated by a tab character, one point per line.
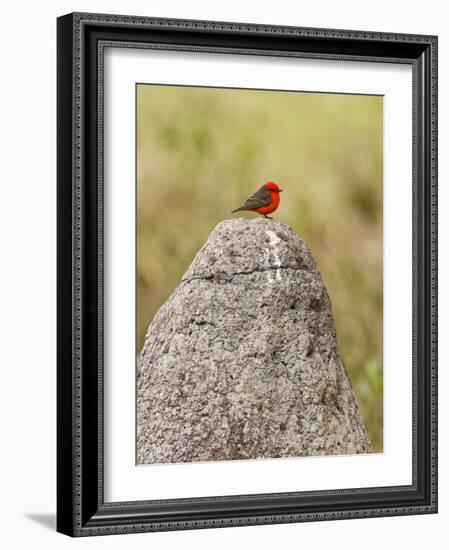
264	201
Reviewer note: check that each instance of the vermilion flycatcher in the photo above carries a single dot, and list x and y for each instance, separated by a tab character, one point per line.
264	201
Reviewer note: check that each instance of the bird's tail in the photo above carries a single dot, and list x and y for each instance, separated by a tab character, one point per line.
238	209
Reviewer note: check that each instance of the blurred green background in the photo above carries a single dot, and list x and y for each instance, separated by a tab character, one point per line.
202	151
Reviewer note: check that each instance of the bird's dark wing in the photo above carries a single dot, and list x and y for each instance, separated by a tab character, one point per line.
262	197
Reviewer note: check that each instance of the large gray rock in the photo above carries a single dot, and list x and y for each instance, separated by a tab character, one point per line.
242	361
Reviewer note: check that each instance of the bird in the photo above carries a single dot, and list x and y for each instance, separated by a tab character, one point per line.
264	201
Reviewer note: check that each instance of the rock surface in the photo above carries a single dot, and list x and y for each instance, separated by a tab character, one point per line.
242	361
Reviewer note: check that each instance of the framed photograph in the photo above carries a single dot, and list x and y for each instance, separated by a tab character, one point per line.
247	274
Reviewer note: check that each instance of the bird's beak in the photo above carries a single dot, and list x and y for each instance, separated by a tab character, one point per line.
280	190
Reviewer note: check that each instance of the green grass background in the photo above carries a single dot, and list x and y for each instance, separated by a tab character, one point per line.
202	151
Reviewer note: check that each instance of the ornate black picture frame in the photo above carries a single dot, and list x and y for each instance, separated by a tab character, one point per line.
81	509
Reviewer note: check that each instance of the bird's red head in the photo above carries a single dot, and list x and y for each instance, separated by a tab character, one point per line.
274	187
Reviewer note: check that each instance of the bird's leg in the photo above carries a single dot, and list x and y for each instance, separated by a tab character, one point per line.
268	217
